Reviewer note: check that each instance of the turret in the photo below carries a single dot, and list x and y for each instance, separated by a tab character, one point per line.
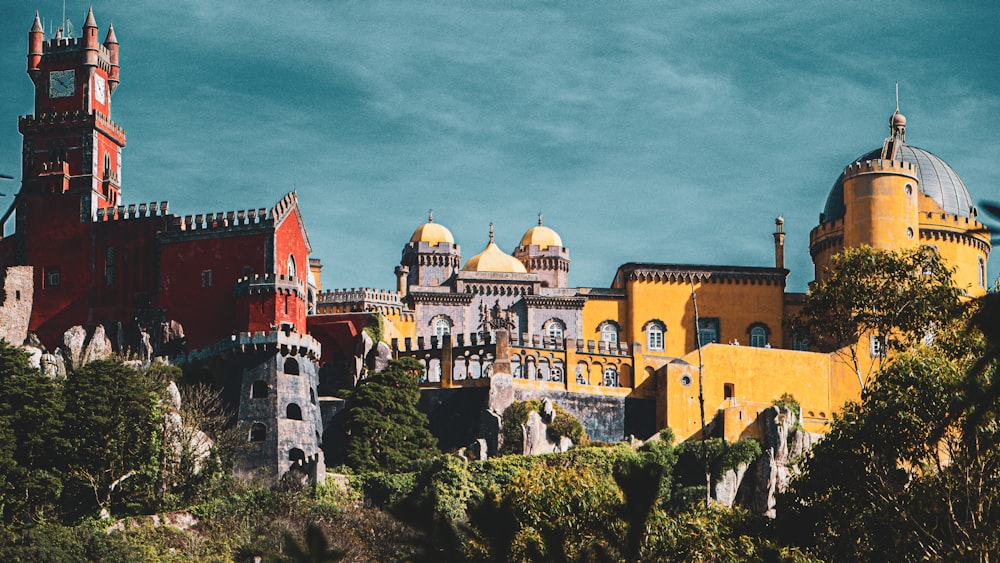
111	44
36	38
542	253
779	242
91	45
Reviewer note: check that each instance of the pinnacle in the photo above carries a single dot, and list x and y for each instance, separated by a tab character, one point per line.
90	19
111	38
37	26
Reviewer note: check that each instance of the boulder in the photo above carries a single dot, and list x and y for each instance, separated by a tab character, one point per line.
98	347
53	365
382	355
34	356
72	345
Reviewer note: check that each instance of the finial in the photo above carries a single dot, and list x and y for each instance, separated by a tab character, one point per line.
430	215
491	232
539	218
897	96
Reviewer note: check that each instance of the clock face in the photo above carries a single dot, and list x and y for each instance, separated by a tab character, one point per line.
100	89
62	83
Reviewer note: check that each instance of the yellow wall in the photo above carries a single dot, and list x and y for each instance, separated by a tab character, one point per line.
759	377
599	309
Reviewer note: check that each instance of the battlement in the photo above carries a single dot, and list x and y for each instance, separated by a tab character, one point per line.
287	342
269	283
283	206
223	221
880	166
361	294
29	123
132	211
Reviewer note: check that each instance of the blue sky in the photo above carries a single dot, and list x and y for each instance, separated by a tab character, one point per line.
644	131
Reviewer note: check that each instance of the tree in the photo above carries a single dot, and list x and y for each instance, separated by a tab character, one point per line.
913	472
113	428
30	409
384	428
897	298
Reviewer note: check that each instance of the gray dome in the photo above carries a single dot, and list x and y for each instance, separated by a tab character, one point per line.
937	180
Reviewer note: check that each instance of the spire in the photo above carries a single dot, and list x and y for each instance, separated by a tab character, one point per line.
90	19
430	215
539	218
37	26
491	232
111	39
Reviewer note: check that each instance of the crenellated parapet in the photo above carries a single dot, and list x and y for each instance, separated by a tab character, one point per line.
880	166
284	205
287	342
132	211
229	220
279	284
79	118
358	300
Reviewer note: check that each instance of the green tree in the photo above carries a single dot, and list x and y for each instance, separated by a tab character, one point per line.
907	474
113	428
896	297
30	410
384	428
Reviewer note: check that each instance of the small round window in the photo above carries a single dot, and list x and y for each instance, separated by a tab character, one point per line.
909	232
686	380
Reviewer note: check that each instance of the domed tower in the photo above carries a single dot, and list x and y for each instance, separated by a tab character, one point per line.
900	196
430	258
542	253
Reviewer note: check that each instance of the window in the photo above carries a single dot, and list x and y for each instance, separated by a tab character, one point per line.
291	366
206	278
729	390
800	343
758	335
982	273
258	432
442	327
296	455
293	412
654	336
611	376
258	390
609	332
708	330
554	330
107	165
291	265
52	278
876	346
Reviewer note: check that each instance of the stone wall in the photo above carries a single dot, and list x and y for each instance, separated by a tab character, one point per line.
605	418
15	310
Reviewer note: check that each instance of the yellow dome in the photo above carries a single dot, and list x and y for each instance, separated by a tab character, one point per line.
492	259
432	233
541	236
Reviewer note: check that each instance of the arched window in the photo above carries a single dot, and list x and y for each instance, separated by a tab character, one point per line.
758	333
554	330
291	366
442	327
609	332
611	376
291	265
258	389
296	454
293	412
258	432
654	335
982	273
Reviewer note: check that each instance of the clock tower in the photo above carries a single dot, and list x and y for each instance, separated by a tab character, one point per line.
71	145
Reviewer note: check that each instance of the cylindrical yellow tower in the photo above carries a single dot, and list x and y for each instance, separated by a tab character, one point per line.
880	197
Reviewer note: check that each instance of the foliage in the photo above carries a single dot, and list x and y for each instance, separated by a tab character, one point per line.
385	429
563	424
897	297
913	472
723	456
375	327
113	430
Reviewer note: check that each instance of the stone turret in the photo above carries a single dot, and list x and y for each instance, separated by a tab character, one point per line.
542	253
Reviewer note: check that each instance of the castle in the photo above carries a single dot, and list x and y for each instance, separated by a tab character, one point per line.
240	286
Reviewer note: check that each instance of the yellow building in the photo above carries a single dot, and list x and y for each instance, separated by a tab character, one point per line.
625	359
